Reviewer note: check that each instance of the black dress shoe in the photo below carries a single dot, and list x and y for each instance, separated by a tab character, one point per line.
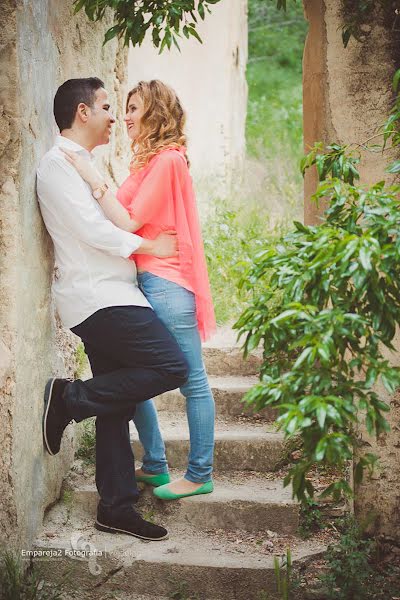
55	417
128	521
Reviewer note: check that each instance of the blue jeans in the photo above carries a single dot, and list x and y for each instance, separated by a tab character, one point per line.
175	307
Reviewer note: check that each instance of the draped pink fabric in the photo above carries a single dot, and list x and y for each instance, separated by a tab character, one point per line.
161	197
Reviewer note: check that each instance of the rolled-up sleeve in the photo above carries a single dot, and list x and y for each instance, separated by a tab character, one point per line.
67	197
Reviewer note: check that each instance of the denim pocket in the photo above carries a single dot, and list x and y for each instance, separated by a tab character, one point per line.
151	285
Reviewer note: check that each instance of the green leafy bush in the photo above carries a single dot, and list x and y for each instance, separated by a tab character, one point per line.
348	565
355	569
340	305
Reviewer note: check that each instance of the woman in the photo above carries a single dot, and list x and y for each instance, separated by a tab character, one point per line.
157	196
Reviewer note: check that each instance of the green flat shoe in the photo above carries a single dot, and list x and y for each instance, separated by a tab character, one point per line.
164	493
154	480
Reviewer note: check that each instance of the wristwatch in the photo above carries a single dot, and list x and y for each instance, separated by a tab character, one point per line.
99	192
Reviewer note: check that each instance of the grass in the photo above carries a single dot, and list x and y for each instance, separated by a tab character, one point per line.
81	361
87	441
274	77
272	192
231	237
18	583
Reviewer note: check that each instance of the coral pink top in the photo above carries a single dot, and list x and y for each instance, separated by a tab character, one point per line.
161	196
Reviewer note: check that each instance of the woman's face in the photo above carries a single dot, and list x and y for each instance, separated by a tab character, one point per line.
133	116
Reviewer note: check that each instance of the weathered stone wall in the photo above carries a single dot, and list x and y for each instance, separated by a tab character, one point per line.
211	83
347	96
41	45
347	92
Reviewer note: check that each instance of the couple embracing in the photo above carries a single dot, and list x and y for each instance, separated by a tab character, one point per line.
132	283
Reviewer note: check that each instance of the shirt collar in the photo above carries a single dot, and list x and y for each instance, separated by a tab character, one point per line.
64	142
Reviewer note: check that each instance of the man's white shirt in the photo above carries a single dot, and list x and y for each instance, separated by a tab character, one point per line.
91	253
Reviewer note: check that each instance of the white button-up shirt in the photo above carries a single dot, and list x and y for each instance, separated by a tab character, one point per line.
91	253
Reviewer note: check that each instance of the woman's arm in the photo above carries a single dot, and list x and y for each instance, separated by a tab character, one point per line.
108	202
114	210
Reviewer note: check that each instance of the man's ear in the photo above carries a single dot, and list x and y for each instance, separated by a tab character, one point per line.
82	112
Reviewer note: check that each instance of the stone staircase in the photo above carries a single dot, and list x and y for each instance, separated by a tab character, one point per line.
221	545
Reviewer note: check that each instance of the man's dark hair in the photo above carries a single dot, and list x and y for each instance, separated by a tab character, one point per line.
70	94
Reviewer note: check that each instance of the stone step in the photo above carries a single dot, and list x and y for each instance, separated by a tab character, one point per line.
228	395
238	446
209	565
251	504
223	355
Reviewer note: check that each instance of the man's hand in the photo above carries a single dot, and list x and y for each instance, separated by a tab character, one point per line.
164	245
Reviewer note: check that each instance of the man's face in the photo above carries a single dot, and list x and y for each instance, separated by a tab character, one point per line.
100	118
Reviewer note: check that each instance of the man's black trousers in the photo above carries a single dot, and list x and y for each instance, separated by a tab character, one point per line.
133	357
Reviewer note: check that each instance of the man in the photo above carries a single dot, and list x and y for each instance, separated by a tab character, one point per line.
132	356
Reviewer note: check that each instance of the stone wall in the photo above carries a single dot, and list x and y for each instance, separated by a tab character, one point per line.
41	45
347	95
211	83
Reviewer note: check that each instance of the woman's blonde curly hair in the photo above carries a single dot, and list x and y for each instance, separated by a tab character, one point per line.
162	122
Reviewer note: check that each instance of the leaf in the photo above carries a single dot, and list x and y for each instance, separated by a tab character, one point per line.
192	31
321	416
284	316
111	33
176	43
303	356
321	449
78	5
365	258
396	80
394	167
200	8
346	35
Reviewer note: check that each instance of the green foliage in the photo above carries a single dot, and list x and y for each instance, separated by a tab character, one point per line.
391	129
81	361
355	15
335	160
283	574
274	130
354	568
67	499
311	518
348	565
339	288
274	76
19	584
87	444
167	20
231	237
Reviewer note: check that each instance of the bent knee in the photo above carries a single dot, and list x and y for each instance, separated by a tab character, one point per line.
180	372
